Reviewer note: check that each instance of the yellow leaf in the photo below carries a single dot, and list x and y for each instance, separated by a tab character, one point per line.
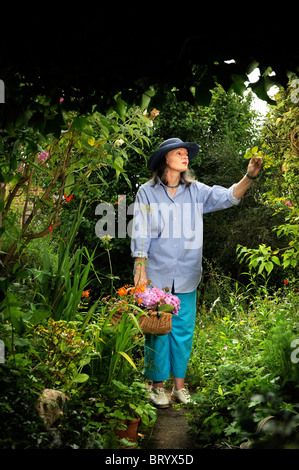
91	141
254	150
247	155
125	355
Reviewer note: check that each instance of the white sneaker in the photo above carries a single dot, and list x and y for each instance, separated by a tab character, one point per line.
158	398
182	396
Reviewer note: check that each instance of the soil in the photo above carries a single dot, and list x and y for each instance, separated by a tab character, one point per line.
170	430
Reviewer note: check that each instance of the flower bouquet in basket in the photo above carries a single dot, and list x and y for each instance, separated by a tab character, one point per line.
153	308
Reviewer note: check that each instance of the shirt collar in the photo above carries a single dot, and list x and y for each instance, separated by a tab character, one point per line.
159	182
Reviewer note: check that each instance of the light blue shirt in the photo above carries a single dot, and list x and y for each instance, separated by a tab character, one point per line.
168	231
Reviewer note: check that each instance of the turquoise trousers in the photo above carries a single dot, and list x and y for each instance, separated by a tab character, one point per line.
170	353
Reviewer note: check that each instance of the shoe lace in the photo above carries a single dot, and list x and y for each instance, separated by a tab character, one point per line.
159	391
186	394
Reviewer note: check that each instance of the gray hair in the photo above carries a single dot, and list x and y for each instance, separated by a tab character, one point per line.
187	176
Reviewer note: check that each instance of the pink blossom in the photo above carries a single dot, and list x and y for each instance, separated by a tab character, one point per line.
43	156
288	203
153	297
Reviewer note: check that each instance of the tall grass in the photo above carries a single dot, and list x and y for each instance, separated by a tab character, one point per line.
61	287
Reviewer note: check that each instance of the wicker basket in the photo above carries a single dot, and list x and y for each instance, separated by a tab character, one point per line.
153	323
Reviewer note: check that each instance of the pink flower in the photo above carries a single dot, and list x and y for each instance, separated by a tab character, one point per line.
153	297
43	156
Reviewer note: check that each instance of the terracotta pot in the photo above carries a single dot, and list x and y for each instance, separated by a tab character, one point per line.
130	432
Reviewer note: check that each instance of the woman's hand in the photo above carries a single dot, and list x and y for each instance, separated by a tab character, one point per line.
253	169
254	166
140	274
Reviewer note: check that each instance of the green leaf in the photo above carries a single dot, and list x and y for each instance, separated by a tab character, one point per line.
238	84
252	66
261	268
248	155
118	414
165	308
146	98
203	89
80	123
38	316
127	180
121	108
269	266
260	89
80	378
118	166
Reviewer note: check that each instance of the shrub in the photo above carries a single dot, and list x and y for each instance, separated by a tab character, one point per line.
240	354
21	428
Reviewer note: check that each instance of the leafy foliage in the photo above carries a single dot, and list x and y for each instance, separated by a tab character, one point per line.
49	171
57	164
241	364
280	141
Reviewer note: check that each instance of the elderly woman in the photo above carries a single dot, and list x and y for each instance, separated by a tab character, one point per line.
167	247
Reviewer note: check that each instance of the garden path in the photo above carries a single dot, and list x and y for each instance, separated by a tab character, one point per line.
170	429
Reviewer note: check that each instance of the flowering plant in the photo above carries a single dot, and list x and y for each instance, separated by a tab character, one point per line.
149	297
154	298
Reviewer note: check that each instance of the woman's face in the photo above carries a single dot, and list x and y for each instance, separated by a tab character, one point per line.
177	159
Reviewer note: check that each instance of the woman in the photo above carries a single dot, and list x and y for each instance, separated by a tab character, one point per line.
167	247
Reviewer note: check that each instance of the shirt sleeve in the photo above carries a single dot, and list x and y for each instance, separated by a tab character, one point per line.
140	240
215	198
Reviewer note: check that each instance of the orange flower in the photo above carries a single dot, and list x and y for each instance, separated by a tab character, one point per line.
85	293
107	297
122	291
50	229
154	113
120	198
140	289
68	198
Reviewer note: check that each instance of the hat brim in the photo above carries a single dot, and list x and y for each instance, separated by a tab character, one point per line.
192	148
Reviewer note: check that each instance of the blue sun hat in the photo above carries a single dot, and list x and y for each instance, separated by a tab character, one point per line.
171	144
